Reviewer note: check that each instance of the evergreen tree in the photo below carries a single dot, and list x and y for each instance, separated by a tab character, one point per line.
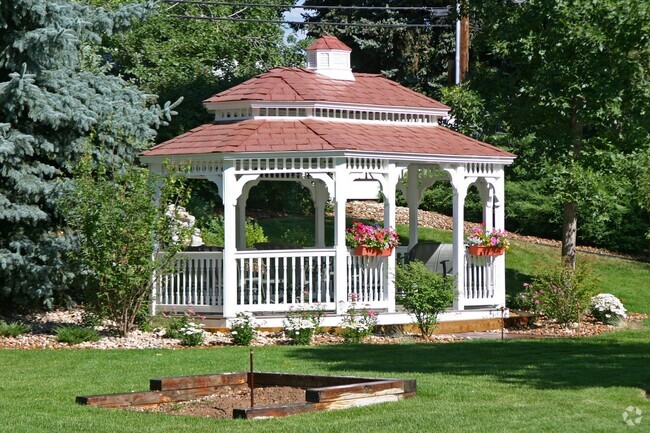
54	102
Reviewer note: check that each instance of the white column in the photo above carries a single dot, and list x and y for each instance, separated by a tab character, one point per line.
229	198
389	221
499	223
413	200
459	186
341	185
486	192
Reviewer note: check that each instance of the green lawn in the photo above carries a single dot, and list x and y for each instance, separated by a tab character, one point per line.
478	386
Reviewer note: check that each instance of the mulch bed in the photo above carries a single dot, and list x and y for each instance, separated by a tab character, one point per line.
221	404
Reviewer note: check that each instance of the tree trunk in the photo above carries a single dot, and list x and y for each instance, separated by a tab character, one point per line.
569	233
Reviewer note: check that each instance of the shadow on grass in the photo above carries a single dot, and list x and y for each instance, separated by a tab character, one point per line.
544	364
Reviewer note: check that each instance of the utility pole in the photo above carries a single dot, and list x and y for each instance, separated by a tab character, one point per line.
462	44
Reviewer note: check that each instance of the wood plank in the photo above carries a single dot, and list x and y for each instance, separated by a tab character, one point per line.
197	381
352	391
149	398
264	412
306	380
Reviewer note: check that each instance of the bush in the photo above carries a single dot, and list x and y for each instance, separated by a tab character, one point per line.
175	322
76	334
191	334
13	329
424	294
563	294
357	323
607	308
301	324
212	232
243	329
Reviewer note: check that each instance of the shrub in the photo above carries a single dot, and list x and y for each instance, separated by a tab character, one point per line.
191	334
357	323
75	334
243	329
562	295
424	294
301	324
212	232
13	329
176	322
607	308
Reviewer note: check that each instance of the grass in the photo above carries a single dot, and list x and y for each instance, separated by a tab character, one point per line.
76	334
547	385
13	329
542	385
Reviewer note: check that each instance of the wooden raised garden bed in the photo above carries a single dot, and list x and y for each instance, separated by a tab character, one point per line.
320	392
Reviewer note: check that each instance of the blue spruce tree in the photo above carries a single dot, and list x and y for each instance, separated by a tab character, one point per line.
55	102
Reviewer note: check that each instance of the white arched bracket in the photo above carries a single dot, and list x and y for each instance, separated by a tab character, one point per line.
320	197
241	211
486	193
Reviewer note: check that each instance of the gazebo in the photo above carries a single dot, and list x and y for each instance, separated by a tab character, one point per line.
335	132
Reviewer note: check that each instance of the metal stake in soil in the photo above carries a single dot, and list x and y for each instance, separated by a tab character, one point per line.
503	320
252	381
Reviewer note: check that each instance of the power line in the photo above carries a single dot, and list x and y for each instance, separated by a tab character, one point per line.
303	23
436	11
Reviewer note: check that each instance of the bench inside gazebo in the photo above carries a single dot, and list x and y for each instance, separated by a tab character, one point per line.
335	132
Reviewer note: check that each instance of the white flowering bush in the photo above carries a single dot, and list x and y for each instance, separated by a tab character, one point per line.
191	334
358	322
243	329
607	308
301	324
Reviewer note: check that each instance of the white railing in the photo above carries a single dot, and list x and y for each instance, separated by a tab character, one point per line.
195	279
367	280
479	281
274	280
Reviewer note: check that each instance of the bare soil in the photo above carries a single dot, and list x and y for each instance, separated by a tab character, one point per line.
221	404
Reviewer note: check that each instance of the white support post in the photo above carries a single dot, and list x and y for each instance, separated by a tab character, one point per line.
459	186
341	186
499	223
229	198
389	185
413	200
486	192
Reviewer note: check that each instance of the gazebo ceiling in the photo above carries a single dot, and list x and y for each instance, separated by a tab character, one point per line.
322	135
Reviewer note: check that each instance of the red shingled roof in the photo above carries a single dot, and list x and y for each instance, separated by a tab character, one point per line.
316	135
328	42
295	84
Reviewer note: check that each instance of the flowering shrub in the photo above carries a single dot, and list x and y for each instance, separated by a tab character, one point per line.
243	329
301	324
562	295
191	334
176	322
495	238
370	236
607	308
357	323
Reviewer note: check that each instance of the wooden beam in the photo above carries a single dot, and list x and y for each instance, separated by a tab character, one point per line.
354	391
198	381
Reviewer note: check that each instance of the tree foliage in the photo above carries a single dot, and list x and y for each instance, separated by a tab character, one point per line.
176	57
53	99
415	57
119	226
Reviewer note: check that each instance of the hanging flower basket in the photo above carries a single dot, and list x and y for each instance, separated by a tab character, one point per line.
363	250
482	250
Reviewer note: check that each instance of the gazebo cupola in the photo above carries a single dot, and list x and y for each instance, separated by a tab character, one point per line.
330	57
